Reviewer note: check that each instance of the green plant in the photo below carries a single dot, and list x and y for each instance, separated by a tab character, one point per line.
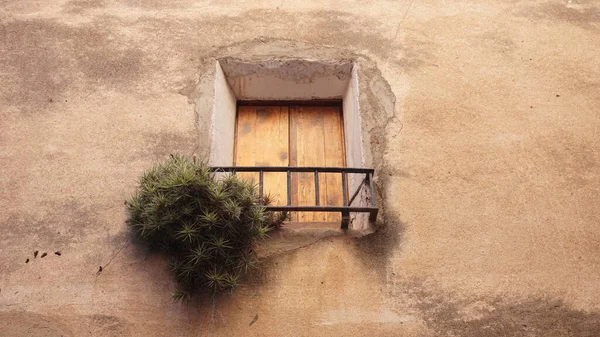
208	226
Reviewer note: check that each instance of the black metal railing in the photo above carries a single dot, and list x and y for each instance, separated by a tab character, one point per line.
345	209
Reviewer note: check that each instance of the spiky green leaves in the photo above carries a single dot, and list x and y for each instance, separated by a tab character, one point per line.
221	280
187	234
208	225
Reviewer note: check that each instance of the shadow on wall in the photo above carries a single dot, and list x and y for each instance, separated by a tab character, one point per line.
446	316
376	249
378	111
579	14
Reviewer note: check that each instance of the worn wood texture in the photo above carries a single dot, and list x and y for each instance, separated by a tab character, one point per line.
316	140
262	140
294	136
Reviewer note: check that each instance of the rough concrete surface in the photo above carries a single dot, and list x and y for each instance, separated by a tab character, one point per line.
484	119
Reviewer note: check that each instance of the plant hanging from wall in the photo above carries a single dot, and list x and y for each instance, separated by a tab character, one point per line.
208	226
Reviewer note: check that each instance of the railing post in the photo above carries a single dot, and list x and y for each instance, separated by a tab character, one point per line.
372	215
345	219
345	214
344	192
317	188
289	188
344	209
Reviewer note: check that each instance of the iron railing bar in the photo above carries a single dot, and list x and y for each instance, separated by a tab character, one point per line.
316	187
373	213
345	220
289	188
357	191
321	209
293	169
372	190
344	190
345	209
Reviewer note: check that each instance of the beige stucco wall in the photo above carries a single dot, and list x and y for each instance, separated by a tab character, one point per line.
486	146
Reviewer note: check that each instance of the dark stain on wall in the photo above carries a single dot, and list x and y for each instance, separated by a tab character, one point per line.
160	145
80	6
57	227
444	314
44	58
584	16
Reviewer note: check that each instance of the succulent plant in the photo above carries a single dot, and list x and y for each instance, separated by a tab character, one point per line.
208	225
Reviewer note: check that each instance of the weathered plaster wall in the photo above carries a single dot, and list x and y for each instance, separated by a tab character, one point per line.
487	153
221	114
286	78
356	147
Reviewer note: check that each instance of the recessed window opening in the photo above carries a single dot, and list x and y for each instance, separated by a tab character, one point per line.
293	126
